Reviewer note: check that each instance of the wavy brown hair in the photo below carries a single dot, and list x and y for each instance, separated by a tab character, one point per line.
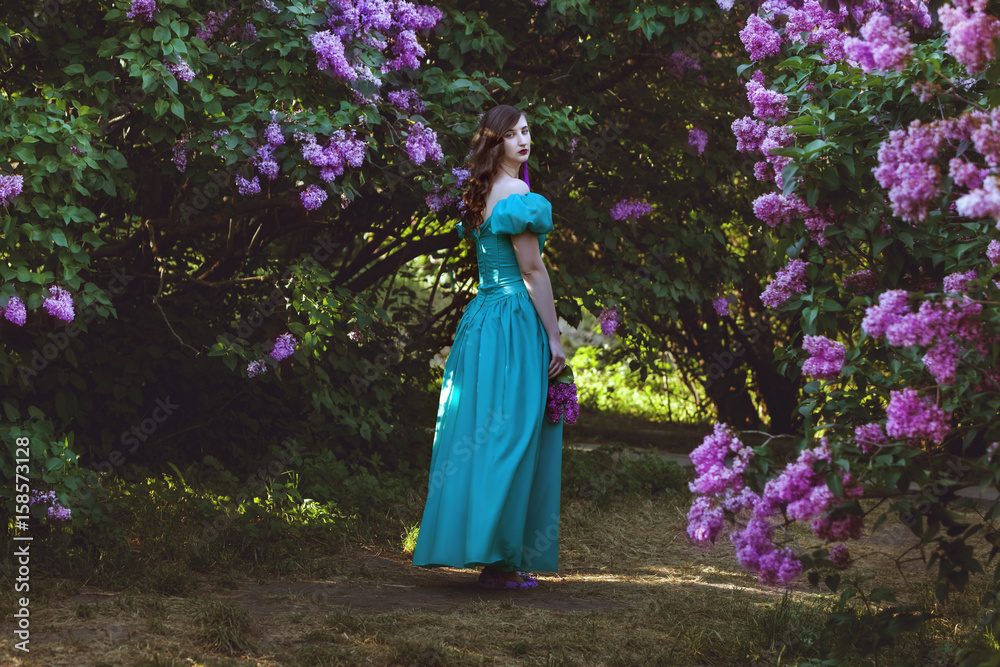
484	161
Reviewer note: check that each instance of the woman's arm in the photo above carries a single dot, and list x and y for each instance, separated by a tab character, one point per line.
536	279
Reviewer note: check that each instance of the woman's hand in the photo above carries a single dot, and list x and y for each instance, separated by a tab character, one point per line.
558	358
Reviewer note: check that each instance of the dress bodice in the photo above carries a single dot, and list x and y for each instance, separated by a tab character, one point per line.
494	249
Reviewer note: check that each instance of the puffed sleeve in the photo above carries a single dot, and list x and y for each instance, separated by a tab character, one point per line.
518	213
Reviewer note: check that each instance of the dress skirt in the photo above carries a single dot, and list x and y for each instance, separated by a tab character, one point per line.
493	491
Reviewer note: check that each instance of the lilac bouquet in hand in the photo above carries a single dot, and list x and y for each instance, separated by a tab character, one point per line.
562	398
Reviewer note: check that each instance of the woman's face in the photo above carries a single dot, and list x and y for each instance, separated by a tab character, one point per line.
517	143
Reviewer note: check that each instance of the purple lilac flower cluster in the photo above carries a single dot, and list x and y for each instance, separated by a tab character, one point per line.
364	21
15	311
680	62
870	436
630	208
142	9
10	187
719	462
883	46
790	280
698	139
767	104
760	39
56	511
248	188
971	32
861	282
993	252
437	200
59	304
839	555
255	368
609	321
422	144
944	328
721	306
181	70
284	347
562	403
180	153
406	100
908	165
827	358
912	417
312	197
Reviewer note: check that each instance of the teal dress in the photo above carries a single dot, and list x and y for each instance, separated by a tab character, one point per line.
493	492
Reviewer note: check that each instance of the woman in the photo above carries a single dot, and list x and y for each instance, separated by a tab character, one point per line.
493	493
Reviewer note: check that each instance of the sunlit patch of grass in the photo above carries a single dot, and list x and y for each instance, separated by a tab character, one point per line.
410	539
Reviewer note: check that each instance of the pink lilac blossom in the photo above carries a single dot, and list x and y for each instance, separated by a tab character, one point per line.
912	417
966	174
630	208
861	282
749	134
705	520
181	70
284	346
756	552
248	188
839	555
313	197
609	321
15	311
767	104
941	361
827	358
59	304
710	462
562	403
142	9
957	282
844	527
892	306
907	170
971	32
698	139
869	436
422	144
10	187
993	252
790	280
760	39
883	46
982	202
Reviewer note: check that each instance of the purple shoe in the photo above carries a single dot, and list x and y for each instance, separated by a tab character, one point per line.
494	581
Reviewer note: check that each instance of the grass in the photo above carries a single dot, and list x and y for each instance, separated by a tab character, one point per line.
631	590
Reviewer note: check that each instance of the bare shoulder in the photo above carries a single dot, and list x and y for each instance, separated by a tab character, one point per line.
511	186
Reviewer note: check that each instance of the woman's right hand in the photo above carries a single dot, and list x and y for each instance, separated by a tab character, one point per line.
557	361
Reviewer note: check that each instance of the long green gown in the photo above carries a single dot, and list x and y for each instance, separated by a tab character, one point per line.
493	492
